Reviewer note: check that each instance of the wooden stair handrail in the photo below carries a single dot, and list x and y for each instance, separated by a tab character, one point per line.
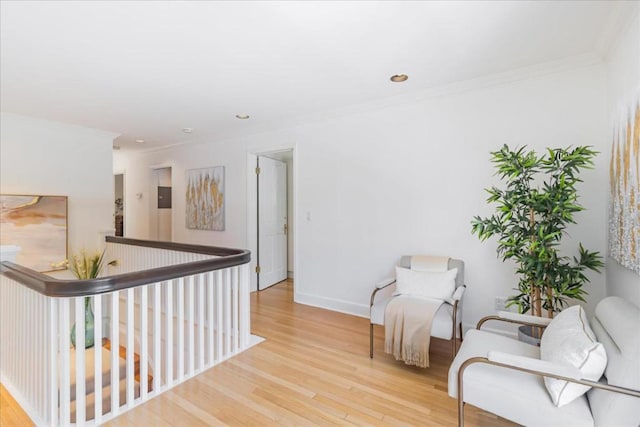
49	286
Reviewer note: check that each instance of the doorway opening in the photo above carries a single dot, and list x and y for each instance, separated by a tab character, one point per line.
271	217
161	218
118	215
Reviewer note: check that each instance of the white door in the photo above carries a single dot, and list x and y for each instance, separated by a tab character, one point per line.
272	222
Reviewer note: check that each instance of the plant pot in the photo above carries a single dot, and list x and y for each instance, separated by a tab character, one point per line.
527	334
88	326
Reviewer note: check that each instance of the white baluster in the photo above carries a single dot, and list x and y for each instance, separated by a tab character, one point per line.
157	336
219	329
52	399
245	309
210	300
80	366
235	308
40	374
190	325
144	338
180	302
35	323
22	345
201	286
65	374
169	338
97	371
130	347
114	334
227	312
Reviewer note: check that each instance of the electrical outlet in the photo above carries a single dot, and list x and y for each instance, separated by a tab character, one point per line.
500	304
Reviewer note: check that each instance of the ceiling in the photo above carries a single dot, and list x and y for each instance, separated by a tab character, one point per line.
148	69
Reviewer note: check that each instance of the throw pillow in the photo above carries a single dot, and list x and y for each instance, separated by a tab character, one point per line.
569	340
425	283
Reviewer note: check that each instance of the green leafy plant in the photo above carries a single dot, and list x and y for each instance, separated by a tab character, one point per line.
532	213
88	265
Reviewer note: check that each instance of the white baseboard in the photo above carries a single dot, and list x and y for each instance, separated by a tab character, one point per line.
255	340
362	310
332	304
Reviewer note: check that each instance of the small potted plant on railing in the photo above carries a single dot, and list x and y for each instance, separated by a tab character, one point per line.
531	217
85	267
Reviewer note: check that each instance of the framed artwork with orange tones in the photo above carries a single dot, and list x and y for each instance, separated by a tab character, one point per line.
38	225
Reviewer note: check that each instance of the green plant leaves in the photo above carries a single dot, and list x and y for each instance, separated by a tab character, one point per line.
530	221
88	266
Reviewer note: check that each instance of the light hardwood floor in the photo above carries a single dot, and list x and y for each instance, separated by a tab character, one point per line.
313	369
11	414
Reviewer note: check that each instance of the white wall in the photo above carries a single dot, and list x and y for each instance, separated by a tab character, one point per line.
49	158
392	179
623	88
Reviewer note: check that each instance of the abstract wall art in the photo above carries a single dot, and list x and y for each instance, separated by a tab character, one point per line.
205	198
38	225
624	201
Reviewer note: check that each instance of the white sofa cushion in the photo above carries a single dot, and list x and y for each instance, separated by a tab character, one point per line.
517	396
425	283
615	323
569	340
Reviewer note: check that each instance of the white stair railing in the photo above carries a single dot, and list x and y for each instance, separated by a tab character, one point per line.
167	315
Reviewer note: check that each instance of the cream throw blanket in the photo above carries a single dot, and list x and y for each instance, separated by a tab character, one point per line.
407	322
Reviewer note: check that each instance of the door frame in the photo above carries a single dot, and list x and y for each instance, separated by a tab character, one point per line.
252	209
122	172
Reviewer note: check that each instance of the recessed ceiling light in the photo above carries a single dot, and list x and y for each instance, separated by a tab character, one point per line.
398	78
187	130
140	141
242	116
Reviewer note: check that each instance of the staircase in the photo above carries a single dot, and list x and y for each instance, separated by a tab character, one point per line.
106	379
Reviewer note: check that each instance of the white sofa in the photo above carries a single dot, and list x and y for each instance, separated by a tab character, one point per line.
505	376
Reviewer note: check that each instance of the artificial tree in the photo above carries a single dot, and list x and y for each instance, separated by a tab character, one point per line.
532	213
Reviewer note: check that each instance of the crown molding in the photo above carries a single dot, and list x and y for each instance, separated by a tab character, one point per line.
620	17
490	80
495	79
62	124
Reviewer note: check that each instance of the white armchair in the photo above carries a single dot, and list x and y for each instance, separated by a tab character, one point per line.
447	319
507	377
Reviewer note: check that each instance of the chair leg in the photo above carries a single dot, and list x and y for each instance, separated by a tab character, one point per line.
460	412
453	346
371	340
460	395
453	330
